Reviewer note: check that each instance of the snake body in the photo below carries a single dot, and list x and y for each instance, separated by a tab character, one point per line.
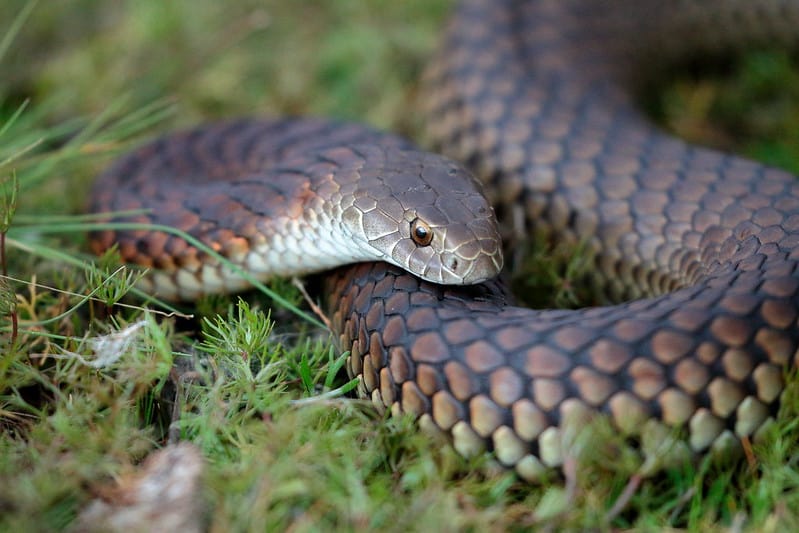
287	197
536	97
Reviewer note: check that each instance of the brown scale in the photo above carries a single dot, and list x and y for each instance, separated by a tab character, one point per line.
537	95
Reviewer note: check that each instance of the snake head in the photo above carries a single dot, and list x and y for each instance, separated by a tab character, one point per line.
426	214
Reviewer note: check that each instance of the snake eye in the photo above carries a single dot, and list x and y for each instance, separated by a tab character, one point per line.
421	232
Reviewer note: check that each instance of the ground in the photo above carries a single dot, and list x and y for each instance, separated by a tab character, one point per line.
258	392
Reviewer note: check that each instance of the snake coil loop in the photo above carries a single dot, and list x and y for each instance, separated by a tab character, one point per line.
701	247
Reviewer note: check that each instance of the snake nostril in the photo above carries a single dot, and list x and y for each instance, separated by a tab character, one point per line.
453	264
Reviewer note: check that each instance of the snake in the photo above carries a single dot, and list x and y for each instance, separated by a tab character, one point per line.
534	106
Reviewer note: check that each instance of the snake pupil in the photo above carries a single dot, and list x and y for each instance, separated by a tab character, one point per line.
421	233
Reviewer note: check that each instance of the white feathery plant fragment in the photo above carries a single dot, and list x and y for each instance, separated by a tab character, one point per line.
110	348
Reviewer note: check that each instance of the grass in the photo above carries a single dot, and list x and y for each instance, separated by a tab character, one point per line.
89	386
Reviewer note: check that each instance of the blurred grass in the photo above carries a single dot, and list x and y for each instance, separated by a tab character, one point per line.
93	77
349	59
752	108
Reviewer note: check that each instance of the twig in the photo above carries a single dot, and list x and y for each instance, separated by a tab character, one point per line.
315	308
624	498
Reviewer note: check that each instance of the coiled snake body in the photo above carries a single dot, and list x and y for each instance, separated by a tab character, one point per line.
536	98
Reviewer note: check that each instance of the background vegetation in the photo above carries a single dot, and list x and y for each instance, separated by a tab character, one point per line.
260	393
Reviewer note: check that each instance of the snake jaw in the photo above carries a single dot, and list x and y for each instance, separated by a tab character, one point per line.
425	214
458	253
469	253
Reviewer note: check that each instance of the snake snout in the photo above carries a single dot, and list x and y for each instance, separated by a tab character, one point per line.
466	247
460	253
473	261
427	214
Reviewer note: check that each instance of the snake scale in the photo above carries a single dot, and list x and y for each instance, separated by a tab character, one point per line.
536	97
